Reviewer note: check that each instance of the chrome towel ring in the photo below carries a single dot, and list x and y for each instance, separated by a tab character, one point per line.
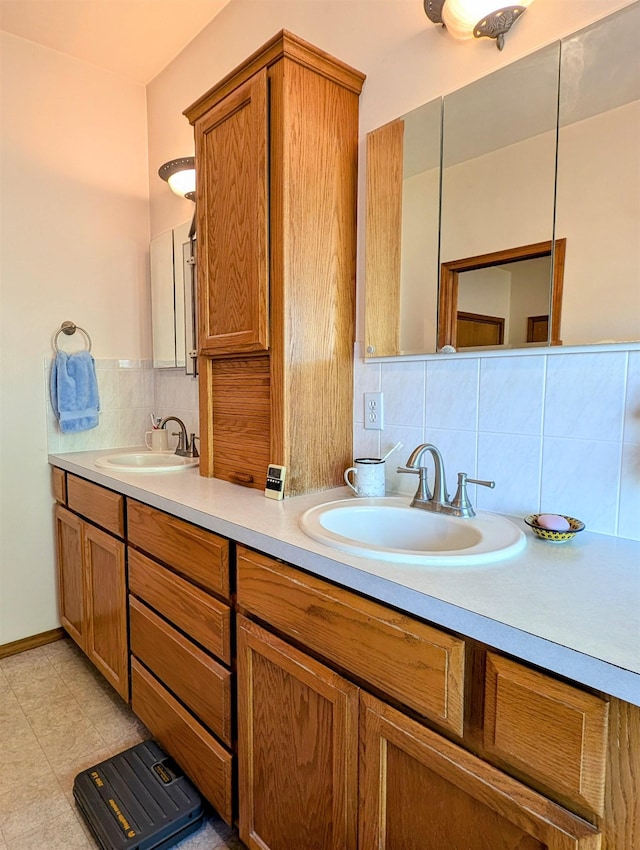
69	328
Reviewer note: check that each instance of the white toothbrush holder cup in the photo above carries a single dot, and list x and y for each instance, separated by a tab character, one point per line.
157	440
368	477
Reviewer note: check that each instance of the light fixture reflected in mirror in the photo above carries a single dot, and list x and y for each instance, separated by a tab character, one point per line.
180	174
475	18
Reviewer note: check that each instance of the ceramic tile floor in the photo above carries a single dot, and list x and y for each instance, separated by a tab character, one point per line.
58	716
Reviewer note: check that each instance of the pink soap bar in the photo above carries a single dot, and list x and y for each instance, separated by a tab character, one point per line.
553	522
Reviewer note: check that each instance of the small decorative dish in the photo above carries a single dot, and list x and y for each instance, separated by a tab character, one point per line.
552	534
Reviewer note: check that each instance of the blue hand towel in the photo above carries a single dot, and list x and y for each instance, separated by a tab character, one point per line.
74	391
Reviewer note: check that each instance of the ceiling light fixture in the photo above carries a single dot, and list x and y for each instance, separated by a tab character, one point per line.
180	174
475	18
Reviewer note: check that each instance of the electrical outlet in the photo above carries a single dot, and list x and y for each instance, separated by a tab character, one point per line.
373	412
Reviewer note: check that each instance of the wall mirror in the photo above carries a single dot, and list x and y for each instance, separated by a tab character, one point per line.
172	259
550	139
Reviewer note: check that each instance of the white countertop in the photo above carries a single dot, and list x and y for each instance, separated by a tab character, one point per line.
573	609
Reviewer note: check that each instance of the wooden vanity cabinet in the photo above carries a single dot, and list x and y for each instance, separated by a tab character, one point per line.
419	791
519	758
180	639
297	746
92	577
276	154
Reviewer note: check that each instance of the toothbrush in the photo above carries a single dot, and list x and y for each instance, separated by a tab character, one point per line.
397	446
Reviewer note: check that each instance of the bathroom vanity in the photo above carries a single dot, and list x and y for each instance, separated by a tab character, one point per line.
327	700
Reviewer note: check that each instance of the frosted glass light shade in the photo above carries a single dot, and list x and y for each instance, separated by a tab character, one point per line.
183	182
180	174
461	16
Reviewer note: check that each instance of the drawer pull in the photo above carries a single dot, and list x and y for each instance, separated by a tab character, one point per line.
242	477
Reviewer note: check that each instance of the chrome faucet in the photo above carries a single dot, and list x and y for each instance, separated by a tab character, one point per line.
186	446
439	502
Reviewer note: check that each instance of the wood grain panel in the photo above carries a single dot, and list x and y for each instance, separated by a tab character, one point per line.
282	44
419	791
71	581
231	210
106	588
204	760
59	485
416	664
313	223
102	506
195	612
554	732
384	239
195	553
240	400
621	821
202	684
297	748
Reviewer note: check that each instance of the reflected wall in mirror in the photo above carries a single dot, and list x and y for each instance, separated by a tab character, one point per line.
503	298
170	277
598	193
501	136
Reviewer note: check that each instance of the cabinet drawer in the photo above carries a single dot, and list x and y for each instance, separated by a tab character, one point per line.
102	506
193	676
203	759
202	617
59	485
552	731
197	554
416	664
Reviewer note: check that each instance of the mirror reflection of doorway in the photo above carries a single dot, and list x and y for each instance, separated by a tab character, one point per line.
475	329
511	298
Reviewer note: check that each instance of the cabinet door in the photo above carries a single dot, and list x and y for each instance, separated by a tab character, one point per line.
232	210
419	791
107	607
71	588
297	748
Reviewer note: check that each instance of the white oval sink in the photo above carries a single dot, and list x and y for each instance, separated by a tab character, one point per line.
145	462
388	529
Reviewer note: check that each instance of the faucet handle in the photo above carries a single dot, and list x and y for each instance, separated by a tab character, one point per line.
191	447
460	501
181	446
423	493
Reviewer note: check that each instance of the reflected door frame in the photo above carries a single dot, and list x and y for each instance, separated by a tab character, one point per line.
449	272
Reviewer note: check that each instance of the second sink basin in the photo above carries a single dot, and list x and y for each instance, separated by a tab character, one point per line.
389	529
145	462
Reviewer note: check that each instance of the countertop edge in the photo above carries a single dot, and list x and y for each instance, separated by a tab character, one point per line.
565	661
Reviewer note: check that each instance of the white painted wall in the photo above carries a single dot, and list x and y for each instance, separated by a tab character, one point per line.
74	244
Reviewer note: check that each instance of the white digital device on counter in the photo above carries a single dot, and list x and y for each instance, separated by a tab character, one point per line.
275	481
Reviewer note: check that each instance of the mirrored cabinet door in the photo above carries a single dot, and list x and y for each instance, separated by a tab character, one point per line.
172	307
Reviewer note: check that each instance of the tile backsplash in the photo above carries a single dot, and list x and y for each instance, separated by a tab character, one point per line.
557	432
130	391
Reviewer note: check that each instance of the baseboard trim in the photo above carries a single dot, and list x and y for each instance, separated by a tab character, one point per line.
23	644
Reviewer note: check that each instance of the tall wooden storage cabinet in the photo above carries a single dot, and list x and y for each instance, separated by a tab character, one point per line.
276	158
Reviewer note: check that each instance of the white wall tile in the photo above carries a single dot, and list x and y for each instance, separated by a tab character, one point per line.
513	462
410	437
458	450
511	394
629	514
632	404
585	396
365	443
452	394
403	388
580	478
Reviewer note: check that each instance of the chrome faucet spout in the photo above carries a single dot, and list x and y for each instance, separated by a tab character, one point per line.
439	499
